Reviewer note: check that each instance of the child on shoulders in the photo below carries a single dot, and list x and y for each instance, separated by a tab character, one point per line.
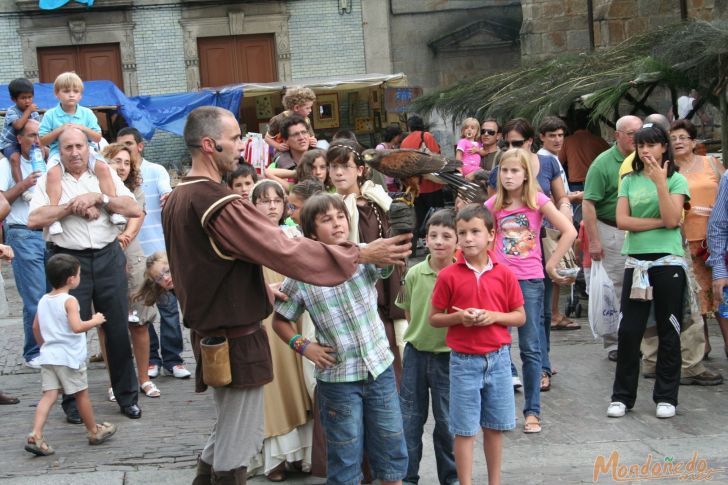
68	88
469	146
353	360
478	299
61	333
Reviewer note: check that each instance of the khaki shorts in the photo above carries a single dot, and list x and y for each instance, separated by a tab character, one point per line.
62	377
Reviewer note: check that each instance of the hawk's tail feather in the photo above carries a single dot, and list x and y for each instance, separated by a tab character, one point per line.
467	190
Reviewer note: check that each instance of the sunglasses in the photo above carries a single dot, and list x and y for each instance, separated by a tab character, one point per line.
515	143
487	132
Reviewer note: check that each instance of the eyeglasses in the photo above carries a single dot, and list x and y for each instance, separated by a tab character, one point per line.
487	132
515	143
628	133
269	202
162	275
298	133
680	138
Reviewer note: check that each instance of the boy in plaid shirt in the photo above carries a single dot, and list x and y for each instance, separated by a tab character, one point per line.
355	382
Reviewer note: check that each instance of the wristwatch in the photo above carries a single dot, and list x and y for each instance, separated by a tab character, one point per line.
105	200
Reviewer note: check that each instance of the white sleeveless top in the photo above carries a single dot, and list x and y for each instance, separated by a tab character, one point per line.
61	346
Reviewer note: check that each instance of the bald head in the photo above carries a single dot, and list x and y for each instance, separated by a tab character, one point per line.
659	120
31	126
624	134
28	136
71	132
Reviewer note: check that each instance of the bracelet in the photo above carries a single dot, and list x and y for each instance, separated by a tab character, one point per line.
300	344
293	339
565	204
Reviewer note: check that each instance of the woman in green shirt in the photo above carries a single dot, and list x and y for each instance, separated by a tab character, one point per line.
649	207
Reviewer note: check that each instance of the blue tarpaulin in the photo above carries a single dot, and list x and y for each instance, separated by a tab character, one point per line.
54	4
166	112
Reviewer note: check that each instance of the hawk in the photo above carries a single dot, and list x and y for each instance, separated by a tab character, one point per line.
410	165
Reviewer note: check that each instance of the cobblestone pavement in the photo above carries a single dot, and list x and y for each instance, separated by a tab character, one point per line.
161	448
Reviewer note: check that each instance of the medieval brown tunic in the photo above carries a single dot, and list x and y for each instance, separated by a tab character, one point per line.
216	243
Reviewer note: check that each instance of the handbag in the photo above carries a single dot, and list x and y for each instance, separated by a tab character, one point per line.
549	241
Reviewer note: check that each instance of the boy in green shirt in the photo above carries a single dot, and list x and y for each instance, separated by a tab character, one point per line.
426	356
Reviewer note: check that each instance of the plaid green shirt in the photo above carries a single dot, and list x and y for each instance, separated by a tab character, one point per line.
347	320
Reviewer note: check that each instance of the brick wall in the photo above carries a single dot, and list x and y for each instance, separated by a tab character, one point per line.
324	43
161	70
11	62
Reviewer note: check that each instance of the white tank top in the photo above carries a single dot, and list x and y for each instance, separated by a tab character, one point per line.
61	345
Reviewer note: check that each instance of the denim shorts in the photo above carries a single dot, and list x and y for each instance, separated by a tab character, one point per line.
481	392
362	415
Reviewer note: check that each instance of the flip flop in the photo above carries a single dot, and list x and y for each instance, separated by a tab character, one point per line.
565	324
532	426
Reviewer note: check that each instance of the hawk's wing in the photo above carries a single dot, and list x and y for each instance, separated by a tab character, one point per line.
404	163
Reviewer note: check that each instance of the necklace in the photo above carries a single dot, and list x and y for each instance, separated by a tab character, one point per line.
692	167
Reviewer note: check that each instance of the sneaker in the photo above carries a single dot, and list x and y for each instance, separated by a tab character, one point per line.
33	363
55	228
104	431
153	371
517	384
616	409
179	371
665	410
118	219
705	378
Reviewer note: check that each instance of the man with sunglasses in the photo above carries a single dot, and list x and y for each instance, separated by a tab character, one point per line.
599	211
490	135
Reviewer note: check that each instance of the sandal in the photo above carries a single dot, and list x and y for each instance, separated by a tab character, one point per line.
112	398
150	389
565	323
532	425
545	382
97	357
38	446
104	431
278	474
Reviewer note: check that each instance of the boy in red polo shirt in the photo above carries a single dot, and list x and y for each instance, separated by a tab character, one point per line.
477	299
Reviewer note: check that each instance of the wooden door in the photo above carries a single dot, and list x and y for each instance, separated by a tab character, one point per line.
238	59
91	62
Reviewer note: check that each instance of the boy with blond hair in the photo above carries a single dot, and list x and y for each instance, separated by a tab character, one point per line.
477	299
68	88
298	100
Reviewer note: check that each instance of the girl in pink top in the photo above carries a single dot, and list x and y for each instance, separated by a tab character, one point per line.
468	148
518	209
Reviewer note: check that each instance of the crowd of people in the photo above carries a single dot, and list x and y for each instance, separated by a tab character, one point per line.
327	364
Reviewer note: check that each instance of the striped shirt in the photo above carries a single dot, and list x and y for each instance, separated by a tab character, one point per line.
347	320
718	231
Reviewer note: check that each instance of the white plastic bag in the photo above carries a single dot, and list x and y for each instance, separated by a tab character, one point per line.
603	303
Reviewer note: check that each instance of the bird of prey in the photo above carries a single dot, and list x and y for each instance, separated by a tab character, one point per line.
410	165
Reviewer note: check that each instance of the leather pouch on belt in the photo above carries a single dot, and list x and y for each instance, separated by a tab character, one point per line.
216	361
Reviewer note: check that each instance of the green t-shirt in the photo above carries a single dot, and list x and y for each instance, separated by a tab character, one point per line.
601	182
642	195
419	283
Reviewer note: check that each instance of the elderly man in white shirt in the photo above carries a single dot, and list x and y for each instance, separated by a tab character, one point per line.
88	234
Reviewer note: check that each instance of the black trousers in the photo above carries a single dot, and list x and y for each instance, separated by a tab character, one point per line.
423	203
668	283
103	284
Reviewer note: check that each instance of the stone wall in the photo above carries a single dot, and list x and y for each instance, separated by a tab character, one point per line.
552	27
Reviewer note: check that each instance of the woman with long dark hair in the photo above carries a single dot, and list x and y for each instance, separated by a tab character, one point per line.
650	208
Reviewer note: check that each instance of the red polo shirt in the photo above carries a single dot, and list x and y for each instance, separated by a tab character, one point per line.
496	290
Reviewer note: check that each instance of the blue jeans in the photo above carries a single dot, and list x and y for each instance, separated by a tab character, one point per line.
362	415
481	392
529	343
545	336
29	270
423	371
170	332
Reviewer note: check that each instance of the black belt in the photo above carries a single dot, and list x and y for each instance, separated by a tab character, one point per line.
22	226
55	248
609	223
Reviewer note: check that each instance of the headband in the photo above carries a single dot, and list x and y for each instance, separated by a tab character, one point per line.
346	147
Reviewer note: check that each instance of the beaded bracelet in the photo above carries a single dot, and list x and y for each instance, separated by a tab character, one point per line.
300	344
293	340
